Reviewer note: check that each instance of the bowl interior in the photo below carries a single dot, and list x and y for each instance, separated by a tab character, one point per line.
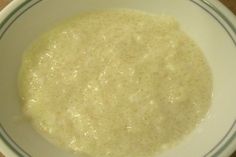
209	34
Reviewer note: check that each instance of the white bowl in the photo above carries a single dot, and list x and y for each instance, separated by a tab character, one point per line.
208	22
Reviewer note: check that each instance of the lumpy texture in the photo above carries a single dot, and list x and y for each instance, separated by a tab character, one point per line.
115	83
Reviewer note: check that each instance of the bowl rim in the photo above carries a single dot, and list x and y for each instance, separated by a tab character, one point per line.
18	7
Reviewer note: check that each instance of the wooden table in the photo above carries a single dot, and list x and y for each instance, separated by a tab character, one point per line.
231	4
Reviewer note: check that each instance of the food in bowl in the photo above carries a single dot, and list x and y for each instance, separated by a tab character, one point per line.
115	83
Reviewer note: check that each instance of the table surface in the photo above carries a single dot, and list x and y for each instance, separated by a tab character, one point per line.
231	4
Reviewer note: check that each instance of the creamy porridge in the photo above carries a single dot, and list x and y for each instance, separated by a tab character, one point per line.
115	83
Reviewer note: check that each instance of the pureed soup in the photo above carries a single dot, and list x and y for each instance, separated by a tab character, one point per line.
115	83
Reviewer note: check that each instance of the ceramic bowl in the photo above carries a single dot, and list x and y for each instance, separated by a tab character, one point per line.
208	22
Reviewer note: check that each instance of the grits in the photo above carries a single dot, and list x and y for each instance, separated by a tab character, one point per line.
115	83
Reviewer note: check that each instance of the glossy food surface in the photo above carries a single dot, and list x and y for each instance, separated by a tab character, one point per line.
115	83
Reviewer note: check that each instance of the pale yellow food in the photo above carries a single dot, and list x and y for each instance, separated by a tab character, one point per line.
115	83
